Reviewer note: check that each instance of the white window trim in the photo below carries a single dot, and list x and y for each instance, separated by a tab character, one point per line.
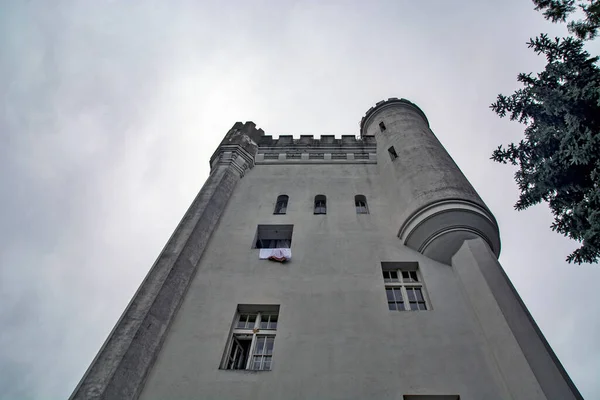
255	331
403	284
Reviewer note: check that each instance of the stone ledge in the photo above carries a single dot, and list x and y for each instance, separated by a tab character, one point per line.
440	228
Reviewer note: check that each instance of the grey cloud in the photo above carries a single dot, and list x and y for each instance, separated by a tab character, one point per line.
110	111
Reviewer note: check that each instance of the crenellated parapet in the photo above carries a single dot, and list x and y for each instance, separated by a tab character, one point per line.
307	149
307	141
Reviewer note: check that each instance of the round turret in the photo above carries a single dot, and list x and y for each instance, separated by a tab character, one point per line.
435	206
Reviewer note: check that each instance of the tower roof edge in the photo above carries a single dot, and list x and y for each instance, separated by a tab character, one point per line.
384	103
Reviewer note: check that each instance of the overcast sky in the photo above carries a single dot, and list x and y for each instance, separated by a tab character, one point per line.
110	111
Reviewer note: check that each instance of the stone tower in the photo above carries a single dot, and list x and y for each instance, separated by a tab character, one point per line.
330	268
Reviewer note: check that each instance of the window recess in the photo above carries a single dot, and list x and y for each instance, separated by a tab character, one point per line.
281	204
274	242
360	202
252	339
320	204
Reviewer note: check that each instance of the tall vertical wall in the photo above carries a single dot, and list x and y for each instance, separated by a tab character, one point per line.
120	369
436	208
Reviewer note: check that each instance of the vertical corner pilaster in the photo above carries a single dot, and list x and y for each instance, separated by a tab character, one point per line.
122	365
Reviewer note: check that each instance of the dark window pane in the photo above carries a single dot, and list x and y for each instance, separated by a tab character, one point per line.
414	306
400	306
398	294
256	364
413	276
280	207
390	294
411	294
405	275
260	345
392	306
272	322
267	364
394	276
270	343
419	294
422	306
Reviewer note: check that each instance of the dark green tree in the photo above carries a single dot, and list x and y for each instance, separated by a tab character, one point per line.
559	159
559	10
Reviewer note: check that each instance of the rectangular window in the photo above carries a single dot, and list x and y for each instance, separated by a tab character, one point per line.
273	237
361	156
393	154
271	156
316	156
381	126
339	156
403	286
293	156
250	344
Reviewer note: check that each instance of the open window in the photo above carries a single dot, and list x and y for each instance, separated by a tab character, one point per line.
252	338
281	205
320	204
273	237
360	202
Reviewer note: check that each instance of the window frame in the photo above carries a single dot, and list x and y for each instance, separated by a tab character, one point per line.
361	198
280	235
405	280
392	153
256	332
283	199
320	209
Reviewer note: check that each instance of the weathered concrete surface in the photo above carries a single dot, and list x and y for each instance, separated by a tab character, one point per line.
120	368
336	338
507	323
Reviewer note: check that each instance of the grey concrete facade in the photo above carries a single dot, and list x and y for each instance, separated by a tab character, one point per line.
336	337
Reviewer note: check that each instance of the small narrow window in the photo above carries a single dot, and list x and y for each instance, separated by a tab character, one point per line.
381	126
403	286
281	205
320	204
360	202
250	344
393	154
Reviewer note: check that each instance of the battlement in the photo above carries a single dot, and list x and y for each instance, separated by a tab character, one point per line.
305	141
386	103
347	149
251	144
